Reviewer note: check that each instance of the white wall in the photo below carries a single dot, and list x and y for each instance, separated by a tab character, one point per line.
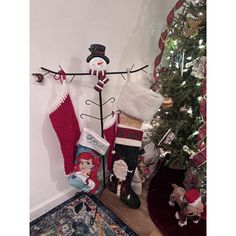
61	33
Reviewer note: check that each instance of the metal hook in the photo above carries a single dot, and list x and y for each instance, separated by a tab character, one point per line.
112	114
39	76
144	70
81	115
118	111
112	98
123	76
87	102
131	67
72	78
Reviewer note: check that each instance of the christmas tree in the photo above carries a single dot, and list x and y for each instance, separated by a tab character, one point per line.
180	72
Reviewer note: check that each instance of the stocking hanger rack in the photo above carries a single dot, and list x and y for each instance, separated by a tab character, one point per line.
40	79
40	76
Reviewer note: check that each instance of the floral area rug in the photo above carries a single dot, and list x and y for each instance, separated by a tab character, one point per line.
76	216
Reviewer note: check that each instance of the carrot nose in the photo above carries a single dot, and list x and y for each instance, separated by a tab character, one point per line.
100	63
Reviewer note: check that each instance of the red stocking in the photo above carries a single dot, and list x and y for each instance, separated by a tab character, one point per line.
65	124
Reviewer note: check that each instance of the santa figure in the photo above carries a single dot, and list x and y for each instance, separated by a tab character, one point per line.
98	62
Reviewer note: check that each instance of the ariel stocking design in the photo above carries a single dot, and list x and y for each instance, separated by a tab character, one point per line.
86	165
127	144
65	124
87	161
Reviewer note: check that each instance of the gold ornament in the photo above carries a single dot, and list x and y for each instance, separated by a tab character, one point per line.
167	103
193	26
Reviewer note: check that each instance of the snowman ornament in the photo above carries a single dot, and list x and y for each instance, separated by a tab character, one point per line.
98	62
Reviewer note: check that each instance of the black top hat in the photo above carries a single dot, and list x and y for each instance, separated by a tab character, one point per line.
97	50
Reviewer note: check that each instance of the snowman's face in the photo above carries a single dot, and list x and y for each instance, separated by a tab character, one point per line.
98	63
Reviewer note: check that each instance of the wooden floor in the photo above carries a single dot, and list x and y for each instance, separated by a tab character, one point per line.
137	219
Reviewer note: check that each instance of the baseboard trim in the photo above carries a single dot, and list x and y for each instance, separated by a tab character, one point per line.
52	202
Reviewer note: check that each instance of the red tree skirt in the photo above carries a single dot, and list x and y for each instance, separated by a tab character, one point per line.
161	213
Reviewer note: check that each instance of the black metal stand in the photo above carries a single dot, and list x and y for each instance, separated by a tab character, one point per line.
88	102
102	134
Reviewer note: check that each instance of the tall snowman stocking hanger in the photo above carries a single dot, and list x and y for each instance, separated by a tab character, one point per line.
83	149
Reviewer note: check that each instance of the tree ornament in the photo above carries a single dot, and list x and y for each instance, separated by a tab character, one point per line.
191	63
169	138
202	132
188	150
201	143
155	87
191	179
203	108
183	109
163	70
163	138
199	158
199	68
163	153
167	103
193	26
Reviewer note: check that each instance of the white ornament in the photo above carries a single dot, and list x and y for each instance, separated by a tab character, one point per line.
163	153
170	137
199	68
